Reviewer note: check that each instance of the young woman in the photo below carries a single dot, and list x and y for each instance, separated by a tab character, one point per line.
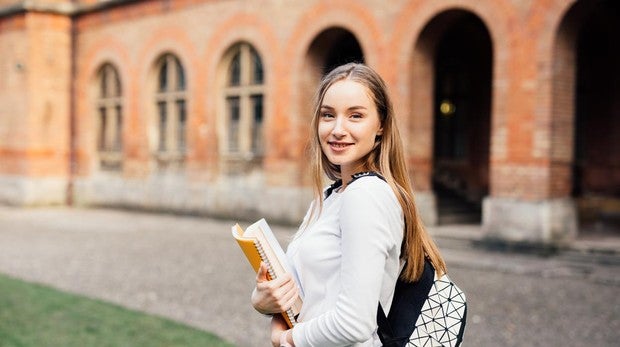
348	251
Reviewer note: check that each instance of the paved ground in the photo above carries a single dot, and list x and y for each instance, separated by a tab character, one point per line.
189	269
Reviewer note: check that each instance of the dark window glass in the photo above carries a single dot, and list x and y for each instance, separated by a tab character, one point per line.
162	125
182	124
163	76
257	68
180	75
104	82
233	130
117	83
102	130
118	143
257	128
235	70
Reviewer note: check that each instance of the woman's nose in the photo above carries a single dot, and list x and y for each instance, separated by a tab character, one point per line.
339	127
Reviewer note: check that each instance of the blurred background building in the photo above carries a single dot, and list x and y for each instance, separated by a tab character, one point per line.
510	109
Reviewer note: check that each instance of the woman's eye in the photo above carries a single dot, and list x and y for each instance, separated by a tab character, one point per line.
327	115
356	116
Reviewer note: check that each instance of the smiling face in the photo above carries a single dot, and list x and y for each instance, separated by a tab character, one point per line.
348	126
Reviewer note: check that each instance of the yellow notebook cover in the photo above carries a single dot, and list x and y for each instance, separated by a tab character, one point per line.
259	244
248	247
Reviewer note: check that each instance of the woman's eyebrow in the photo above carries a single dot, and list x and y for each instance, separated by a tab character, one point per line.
352	108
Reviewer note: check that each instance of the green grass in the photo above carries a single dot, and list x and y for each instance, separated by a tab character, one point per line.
35	315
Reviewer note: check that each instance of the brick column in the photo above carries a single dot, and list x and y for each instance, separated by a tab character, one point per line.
35	155
532	144
420	133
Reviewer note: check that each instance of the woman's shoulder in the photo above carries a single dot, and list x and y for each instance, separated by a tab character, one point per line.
362	182
369	184
372	194
368	180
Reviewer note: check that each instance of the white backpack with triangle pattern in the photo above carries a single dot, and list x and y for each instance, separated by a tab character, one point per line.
430	312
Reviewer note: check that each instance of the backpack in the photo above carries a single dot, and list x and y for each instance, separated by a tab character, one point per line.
429	312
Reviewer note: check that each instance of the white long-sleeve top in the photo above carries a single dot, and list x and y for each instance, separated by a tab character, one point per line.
347	260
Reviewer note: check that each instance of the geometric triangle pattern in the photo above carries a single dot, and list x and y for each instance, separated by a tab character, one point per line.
443	317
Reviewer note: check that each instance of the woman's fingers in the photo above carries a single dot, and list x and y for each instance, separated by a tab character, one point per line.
276	295
261	275
285	295
274	283
288	299
291	301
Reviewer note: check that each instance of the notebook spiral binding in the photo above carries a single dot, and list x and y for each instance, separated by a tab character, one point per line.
263	257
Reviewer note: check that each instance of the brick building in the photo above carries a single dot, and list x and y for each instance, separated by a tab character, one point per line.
510	109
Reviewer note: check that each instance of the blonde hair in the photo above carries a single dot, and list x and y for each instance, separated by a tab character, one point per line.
387	159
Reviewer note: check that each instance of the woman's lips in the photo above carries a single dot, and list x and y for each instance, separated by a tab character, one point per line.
339	146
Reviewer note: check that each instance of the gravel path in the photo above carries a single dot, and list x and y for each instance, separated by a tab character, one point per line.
189	269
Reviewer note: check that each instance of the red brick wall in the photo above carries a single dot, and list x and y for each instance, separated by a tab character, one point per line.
35	94
49	88
530	130
13	95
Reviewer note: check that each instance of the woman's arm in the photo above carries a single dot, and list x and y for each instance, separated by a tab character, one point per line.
280	336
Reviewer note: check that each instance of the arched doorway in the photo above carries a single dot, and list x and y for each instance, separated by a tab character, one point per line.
332	47
461	115
595	166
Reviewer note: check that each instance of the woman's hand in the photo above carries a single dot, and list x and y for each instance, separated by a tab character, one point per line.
273	296
278	327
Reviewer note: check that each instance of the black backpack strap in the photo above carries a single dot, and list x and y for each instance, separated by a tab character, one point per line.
354	177
331	188
386	335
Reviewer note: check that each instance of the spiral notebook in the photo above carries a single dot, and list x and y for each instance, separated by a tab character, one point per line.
258	243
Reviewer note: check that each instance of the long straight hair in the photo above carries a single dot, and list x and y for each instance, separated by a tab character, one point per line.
387	158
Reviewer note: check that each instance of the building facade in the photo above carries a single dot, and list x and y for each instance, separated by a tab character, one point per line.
510	109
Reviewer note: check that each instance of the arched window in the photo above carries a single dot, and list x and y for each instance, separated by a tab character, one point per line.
110	118
243	103
170	101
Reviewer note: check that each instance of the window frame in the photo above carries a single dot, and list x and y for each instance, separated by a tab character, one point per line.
109	118
170	100
250	140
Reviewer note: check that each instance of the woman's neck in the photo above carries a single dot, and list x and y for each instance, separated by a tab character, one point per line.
346	174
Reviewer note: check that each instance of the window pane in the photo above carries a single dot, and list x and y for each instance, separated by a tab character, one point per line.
234	78
118	143
161	106
257	68
117	83
109	82
102	128
182	125
233	130
257	126
180	75
163	75
104	82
